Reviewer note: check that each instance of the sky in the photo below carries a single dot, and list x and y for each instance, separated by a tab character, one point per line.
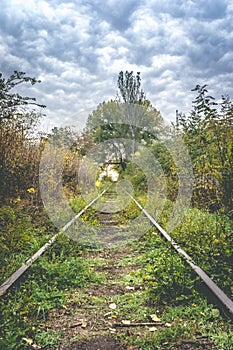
78	47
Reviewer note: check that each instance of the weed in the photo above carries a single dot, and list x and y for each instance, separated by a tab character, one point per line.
48	339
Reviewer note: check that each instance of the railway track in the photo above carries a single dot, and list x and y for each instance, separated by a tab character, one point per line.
109	223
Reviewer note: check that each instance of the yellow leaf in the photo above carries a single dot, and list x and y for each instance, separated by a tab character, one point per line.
155	318
31	190
97	183
84	324
23	312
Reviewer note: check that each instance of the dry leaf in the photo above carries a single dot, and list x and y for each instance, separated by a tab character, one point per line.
36	347
168	324
155	318
125	322
152	329
108	313
84	324
112	330
129	288
28	341
112	306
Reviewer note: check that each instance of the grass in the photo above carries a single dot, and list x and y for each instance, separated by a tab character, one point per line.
42	289
161	283
195	322
48	339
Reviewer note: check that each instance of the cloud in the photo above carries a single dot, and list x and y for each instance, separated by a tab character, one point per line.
116	13
77	49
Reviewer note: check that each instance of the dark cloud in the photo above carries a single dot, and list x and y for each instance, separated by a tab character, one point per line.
202	9
117	13
211	9
77	49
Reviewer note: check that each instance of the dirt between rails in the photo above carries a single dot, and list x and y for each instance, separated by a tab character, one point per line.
80	319
86	326
87	321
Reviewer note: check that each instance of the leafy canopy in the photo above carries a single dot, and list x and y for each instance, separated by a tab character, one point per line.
130	116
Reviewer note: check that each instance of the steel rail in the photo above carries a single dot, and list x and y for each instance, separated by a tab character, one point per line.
15	276
212	286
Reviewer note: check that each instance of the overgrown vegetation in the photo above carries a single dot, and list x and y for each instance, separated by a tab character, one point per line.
170	287
208	133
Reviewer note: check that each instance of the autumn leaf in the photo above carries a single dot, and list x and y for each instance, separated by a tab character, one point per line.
152	329
155	318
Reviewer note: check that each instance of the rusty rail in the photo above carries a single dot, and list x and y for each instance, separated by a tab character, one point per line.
224	300
18	273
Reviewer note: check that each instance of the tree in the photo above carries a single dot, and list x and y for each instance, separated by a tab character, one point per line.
13	106
129	86
130	117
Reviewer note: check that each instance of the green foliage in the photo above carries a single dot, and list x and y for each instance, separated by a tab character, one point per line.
19	238
164	158
136	176
48	338
122	124
168	278
133	119
208	239
185	323
208	134
64	272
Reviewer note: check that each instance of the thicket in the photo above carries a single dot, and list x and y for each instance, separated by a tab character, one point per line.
208	134
19	149
24	224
